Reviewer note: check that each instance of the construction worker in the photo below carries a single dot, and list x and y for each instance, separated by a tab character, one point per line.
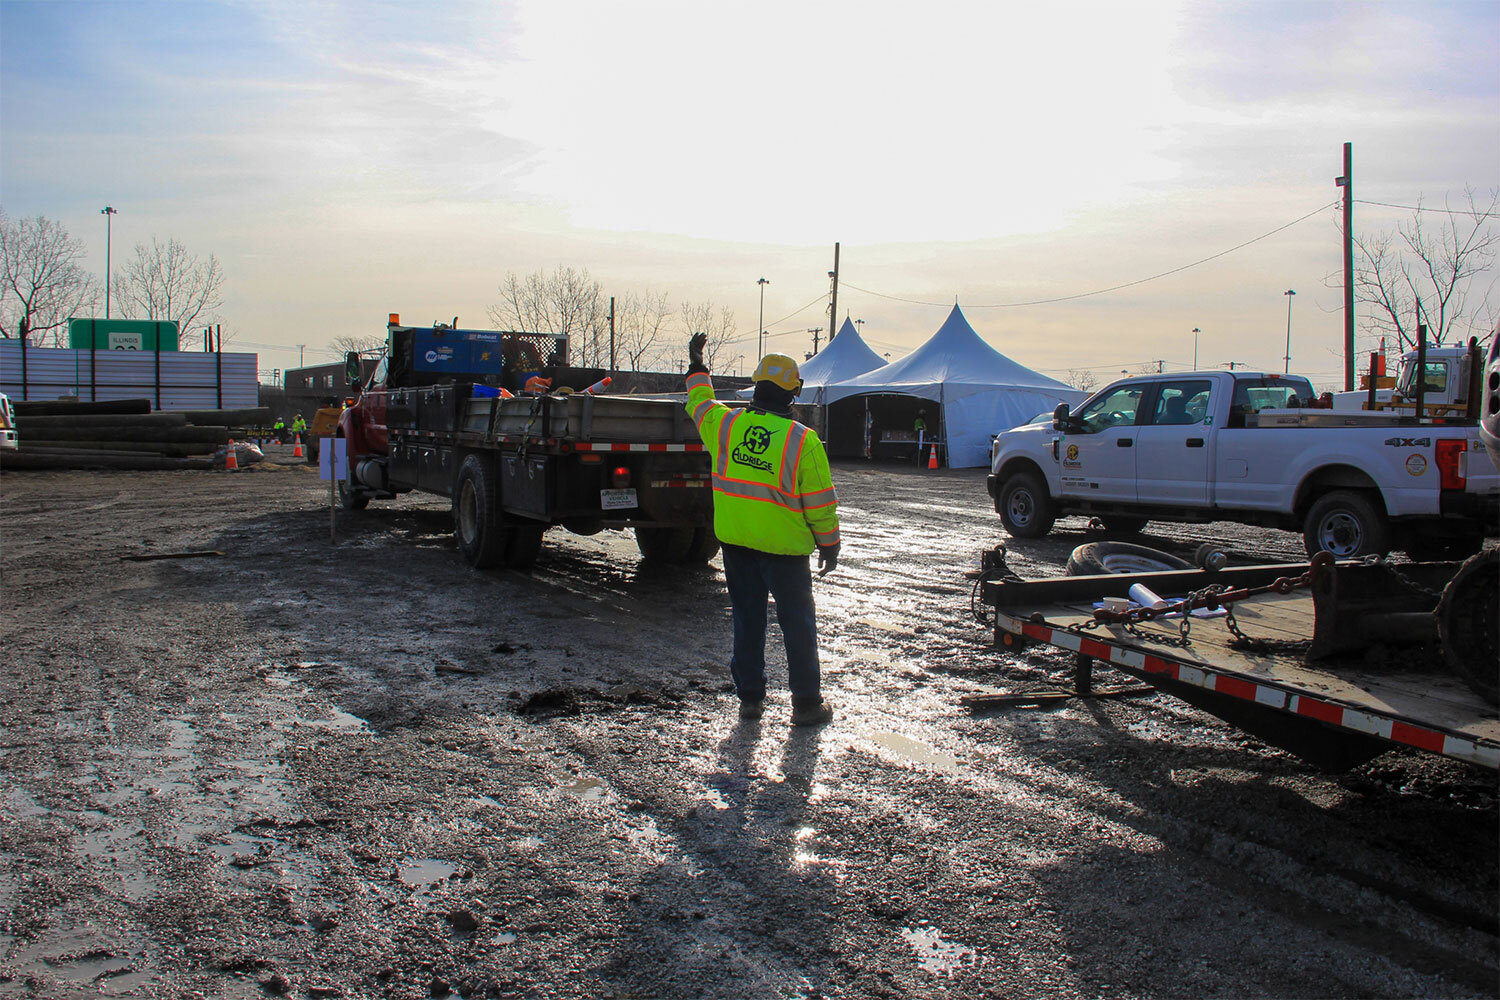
279	429
299	425
919	429
773	505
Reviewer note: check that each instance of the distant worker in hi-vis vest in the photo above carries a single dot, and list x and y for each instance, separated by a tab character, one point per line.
773	505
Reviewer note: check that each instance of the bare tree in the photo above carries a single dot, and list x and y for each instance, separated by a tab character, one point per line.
640	322
1393	271
42	280
344	344
1082	379
567	301
164	281
716	321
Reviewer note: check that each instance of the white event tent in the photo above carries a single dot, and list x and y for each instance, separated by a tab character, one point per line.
977	391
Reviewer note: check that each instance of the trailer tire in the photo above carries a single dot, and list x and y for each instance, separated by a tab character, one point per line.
477	524
1099	558
1024	505
1346	524
1468	627
524	544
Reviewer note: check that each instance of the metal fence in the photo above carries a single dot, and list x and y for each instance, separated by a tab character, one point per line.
172	380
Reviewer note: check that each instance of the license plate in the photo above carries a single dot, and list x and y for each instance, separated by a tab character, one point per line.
617	499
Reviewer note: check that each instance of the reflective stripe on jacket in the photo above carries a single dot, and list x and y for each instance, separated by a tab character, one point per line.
772	488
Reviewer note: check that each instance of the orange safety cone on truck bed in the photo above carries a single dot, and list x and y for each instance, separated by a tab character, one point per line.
231	464
932	462
297	451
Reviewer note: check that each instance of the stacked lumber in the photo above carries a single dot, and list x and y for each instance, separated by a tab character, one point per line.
124	434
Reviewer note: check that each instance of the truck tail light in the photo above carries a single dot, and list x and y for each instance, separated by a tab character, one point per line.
1450	452
620	477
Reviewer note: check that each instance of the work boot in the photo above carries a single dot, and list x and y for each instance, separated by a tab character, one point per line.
811	712
752	709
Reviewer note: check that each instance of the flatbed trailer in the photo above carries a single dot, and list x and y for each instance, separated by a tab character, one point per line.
1293	676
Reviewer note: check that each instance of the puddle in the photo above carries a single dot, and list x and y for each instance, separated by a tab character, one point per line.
936	955
489	800
505	937
242	847
423	872
23	806
587	789
916	751
528	843
76	961
339	721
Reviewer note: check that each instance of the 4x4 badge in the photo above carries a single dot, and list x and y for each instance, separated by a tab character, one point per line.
1409	442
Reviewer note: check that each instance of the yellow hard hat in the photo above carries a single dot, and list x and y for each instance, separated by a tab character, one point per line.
781	370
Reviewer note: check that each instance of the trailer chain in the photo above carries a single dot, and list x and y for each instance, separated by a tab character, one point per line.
1384	562
536	409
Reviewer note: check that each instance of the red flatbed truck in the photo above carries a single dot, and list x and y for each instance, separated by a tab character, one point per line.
446	413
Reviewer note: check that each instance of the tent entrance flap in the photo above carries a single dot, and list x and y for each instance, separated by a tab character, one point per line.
882	426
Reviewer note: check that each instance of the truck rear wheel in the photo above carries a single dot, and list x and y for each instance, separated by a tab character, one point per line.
1025	507
477	524
1468	627
524	544
1345	524
685	544
352	497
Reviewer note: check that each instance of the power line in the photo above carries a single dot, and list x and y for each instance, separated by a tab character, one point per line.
1476	213
1112	288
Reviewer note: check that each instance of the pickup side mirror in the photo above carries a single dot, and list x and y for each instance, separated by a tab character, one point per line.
351	369
1060	418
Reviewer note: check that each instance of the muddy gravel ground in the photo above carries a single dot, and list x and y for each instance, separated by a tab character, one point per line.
363	769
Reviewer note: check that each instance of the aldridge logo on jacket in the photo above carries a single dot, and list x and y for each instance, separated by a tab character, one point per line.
754	443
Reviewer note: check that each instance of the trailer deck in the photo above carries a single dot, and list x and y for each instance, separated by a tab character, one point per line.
1336	712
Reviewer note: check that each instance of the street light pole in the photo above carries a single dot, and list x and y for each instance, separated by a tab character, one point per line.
1288	293
108	213
1196	331
760	341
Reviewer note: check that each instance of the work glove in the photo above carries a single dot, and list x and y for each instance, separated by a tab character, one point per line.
695	353
828	558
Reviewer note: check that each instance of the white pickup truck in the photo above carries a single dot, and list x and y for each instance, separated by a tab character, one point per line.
1243	446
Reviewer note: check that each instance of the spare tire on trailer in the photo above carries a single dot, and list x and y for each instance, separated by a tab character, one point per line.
1100	558
1467	624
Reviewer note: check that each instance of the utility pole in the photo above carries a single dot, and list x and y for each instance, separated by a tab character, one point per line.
1196	331
612	333
301	348
815	331
859	325
1347	183
1288	293
833	304
108	214
760	343
1159	365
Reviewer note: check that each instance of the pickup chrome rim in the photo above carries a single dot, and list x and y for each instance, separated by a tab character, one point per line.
1022	506
1341	533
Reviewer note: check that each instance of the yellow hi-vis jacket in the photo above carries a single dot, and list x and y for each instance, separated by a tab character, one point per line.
772	488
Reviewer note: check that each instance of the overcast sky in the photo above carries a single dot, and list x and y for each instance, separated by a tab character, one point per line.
346	160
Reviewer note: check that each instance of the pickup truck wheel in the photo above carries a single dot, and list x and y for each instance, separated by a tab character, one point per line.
352	497
524	545
1345	524
477	524
1098	558
1025	507
1468	627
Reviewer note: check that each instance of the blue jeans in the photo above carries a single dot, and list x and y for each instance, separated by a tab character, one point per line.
751	575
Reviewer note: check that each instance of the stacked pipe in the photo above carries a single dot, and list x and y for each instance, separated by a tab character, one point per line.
123	434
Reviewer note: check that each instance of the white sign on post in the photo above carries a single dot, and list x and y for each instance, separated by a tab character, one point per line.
333	464
333	458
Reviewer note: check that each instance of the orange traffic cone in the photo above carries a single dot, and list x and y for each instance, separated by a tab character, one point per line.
231	464
297	451
932	462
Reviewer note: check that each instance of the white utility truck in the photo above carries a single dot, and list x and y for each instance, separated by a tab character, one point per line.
1250	447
